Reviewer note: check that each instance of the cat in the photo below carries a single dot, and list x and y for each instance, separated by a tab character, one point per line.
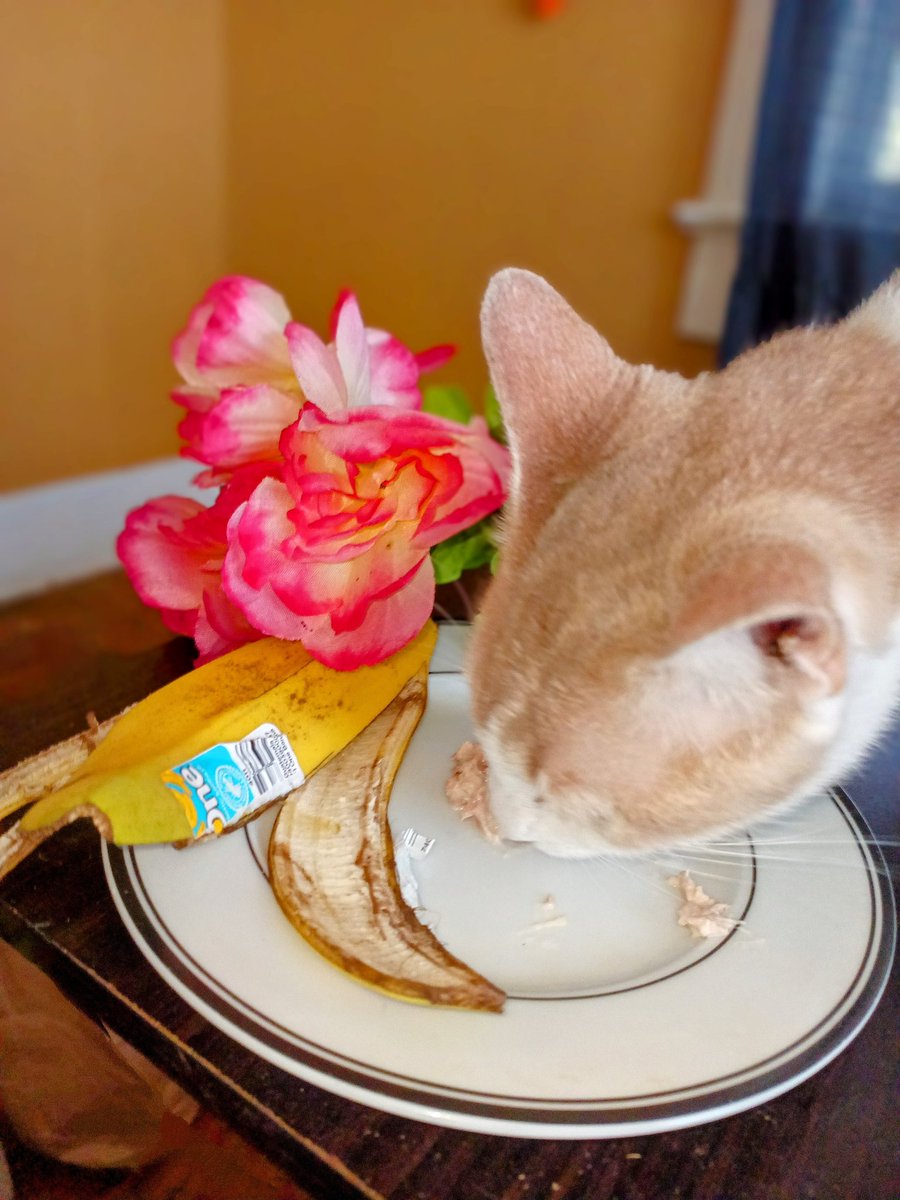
696	616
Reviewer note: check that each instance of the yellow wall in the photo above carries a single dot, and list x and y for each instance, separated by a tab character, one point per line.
111	192
410	147
406	148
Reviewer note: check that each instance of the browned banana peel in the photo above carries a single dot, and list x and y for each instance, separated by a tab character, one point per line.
42	773
36	777
331	862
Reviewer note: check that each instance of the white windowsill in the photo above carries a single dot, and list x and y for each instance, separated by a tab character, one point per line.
714	220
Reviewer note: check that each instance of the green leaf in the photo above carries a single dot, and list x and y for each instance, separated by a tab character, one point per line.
466	551
447	400
493	415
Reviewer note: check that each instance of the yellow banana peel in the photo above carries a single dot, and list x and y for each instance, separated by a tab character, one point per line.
153	775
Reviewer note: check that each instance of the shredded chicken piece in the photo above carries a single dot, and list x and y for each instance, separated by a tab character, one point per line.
550	918
467	789
699	913
558	922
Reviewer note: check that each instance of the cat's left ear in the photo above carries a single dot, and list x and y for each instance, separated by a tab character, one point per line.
778	597
558	382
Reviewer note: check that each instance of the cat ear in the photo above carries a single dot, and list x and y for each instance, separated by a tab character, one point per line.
551	371
779	595
881	312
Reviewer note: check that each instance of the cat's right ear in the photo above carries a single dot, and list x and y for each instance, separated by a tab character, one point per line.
554	375
881	312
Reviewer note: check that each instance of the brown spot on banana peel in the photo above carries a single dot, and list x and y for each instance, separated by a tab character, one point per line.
35	777
17	843
339	889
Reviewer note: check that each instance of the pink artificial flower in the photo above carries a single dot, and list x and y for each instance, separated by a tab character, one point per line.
334	551
334	485
362	367
173	548
240	390
234	338
242	426
249	369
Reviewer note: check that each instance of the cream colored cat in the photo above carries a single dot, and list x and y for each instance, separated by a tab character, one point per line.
697	613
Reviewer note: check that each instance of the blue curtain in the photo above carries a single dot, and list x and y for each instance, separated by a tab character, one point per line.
823	222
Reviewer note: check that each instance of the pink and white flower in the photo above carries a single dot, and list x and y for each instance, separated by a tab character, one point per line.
334	485
248	370
335	552
234	338
173	549
360	367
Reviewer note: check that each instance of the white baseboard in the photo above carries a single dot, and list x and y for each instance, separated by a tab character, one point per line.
59	532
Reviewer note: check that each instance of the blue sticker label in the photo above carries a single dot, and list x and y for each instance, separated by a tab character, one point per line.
229	781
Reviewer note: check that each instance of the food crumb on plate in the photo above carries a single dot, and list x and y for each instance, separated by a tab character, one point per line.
550	918
550	923
701	914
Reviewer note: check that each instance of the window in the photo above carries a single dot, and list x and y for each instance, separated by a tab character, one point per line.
714	220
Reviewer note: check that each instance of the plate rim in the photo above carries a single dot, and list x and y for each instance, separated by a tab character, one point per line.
792	1063
511	1115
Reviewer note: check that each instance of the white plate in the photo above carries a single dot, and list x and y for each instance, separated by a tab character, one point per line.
618	1021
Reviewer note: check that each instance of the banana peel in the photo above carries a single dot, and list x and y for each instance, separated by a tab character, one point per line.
331	866
132	775
44	772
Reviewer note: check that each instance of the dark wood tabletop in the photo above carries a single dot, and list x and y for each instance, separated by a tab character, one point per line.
91	647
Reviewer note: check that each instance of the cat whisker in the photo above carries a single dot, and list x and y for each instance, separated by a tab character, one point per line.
701	873
672	864
782	857
446	616
804	840
466	599
808	843
622	865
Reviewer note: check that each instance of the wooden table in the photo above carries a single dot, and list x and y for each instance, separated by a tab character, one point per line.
92	647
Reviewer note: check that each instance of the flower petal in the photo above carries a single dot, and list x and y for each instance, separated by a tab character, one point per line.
243	342
196	399
336	311
173	548
317	369
220	627
185	344
352	350
271	574
234	337
365	435
243	427
481	490
394	372
206	479
436	356
165	565
181	621
389	625
252	592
